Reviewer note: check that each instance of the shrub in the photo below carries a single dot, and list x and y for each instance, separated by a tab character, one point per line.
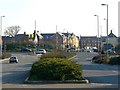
55	69
98	59
114	61
61	54
101	59
5	55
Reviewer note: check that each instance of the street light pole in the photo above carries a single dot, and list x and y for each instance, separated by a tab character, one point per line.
98	30
106	24
1	36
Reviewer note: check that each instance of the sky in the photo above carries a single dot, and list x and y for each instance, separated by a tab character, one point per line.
73	16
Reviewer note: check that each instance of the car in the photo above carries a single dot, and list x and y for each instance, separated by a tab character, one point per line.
88	50
41	51
26	50
13	59
109	51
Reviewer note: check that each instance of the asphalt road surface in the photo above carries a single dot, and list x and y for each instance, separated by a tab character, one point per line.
100	76
16	73
98	73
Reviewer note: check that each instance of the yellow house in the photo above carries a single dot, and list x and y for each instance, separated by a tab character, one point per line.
73	41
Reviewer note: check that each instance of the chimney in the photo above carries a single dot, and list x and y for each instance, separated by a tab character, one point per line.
111	31
24	33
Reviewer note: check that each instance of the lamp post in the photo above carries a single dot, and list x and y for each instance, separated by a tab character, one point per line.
1	36
98	29
106	24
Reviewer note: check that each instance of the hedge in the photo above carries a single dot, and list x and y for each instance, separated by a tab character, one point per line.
114	61
57	54
55	69
5	55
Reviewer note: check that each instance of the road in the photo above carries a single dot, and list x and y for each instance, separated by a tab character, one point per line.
16	73
98	73
100	76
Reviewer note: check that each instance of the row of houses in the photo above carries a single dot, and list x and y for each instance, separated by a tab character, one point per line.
94	41
64	40
59	40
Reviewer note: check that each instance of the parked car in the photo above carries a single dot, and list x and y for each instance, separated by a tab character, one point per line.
41	51
109	51
13	59
26	50
88	50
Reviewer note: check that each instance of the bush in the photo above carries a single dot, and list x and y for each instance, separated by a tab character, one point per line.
101	59
114	61
5	55
55	69
61	54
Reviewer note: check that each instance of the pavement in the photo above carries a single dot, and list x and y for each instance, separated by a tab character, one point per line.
66	86
1	60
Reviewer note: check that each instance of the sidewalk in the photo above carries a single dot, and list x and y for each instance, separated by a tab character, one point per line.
66	86
3	59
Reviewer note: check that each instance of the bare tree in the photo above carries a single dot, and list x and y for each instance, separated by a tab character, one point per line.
12	30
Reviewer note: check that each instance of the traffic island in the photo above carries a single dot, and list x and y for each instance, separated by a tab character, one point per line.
27	81
55	70
56	67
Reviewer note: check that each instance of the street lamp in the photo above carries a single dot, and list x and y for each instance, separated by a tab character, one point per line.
98	29
106	24
1	36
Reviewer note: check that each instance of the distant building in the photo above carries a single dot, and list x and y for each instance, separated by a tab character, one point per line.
57	40
0	40
62	40
0	44
112	38
88	41
17	38
118	40
72	41
112	41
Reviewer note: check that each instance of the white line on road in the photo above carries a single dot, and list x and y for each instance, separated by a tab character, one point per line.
101	84
88	59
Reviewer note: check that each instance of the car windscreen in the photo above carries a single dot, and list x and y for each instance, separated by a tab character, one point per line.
40	50
13	57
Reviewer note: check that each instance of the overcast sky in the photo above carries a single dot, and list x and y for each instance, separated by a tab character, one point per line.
74	16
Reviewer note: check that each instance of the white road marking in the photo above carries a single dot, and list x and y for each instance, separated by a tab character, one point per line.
88	59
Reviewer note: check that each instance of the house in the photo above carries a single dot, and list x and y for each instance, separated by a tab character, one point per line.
40	40
112	39
88	41
57	39
18	41
72	41
62	40
118	40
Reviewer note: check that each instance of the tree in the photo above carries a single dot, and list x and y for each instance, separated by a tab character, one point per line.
12	30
